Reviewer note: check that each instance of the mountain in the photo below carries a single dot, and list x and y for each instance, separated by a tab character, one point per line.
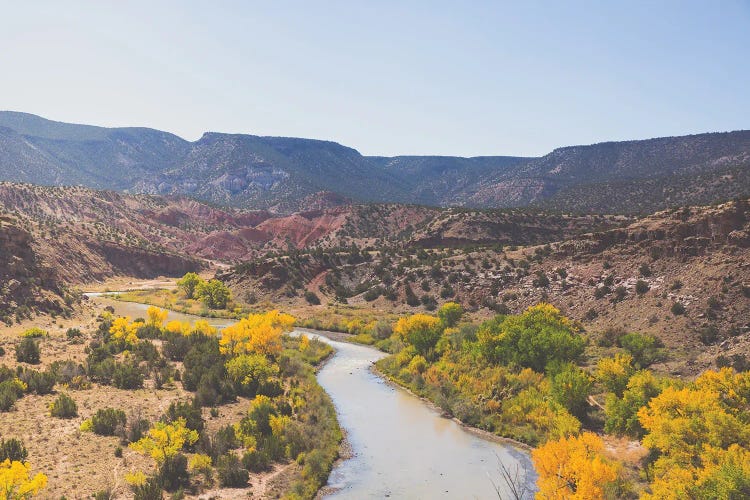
627	177
281	173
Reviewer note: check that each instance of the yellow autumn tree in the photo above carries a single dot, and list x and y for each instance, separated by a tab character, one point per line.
201	326
573	468
420	330
178	327
165	440
701	434
614	373
16	483
123	329
258	333
155	316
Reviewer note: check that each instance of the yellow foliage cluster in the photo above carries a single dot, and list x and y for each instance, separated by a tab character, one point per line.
702	434
156	317
178	327
199	462
614	373
573	468
16	483
165	440
304	343
258	333
123	329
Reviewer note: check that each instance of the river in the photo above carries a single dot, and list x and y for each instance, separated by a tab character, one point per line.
401	447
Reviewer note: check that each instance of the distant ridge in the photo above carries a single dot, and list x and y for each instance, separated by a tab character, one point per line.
278	173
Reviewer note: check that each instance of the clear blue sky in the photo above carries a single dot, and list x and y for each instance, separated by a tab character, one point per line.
386	77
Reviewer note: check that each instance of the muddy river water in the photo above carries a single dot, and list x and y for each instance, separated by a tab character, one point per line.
401	447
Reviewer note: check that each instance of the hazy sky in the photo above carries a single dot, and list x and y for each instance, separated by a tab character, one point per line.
385	77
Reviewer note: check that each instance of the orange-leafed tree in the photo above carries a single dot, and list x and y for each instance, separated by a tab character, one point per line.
573	468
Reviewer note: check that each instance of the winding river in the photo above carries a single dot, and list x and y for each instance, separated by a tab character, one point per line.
401	447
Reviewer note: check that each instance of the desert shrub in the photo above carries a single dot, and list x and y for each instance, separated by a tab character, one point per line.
173	472
64	407
34	333
176	346
103	372
220	443
709	334
372	294
645	270
27	351
231	473
201	360
148	490
106	422
12	449
677	308
610	337
73	333
8	396
66	371
641	287
256	460
127	376
312	298
188	411
38	382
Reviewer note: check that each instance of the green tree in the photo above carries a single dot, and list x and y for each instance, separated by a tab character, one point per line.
213	293
189	284
571	387
539	336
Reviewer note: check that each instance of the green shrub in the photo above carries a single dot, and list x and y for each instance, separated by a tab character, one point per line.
187	410
677	308
231	473
64	407
312	298
571	387
73	333
256	461
127	376
173	473
27	351
108	421
8	396
12	449
641	287
645	349
38	382
149	490
539	336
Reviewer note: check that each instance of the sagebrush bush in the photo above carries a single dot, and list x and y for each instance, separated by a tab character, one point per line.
64	407
107	421
231	473
27	351
13	449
